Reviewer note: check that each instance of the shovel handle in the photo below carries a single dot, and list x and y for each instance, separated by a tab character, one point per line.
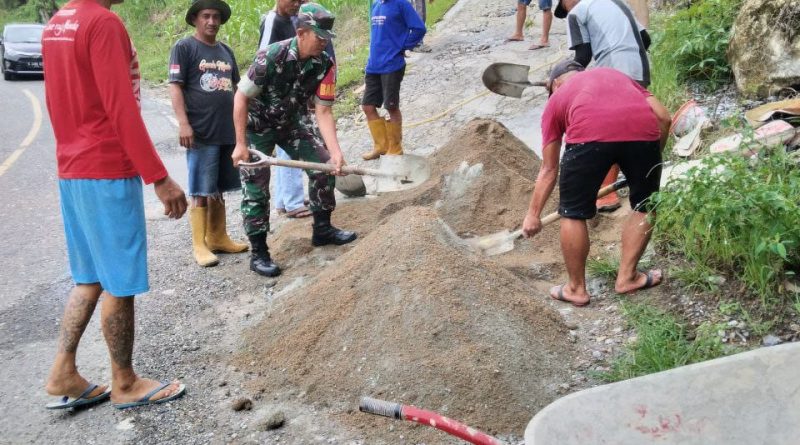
264	161
553	217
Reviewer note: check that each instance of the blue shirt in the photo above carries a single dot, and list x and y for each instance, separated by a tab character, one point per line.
396	27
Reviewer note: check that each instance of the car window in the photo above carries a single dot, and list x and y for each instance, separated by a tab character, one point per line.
24	34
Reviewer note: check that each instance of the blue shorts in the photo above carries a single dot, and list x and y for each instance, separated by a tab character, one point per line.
211	170
544	5
105	230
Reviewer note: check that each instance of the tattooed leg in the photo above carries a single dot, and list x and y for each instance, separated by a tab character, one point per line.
64	379
118	328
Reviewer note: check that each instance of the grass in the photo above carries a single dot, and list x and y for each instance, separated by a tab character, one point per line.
662	343
603	267
696	277
691	44
738	217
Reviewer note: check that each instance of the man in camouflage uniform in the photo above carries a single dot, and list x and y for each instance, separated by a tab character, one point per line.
271	107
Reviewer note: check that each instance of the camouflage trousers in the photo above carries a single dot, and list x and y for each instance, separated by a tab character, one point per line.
301	142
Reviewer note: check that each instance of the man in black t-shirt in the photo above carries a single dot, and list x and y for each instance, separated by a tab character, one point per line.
202	75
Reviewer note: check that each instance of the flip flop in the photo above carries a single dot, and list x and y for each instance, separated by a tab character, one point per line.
146	399
560	297
536	46
300	212
81	400
509	39
648	283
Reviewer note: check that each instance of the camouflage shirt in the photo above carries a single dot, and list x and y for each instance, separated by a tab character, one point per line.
280	86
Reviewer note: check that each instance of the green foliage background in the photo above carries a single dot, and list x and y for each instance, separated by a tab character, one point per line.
155	25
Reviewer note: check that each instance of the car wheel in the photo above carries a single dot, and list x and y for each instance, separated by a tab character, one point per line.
6	74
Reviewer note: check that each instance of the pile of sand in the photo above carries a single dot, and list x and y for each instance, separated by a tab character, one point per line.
481	182
409	315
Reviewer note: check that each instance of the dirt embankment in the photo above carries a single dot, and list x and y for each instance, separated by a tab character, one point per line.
409	314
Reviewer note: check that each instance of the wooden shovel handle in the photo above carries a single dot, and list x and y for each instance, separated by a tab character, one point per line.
318	166
553	217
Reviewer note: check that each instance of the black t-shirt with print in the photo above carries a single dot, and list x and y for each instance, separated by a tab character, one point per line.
208	74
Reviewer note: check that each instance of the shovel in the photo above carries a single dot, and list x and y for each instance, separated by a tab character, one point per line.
399	173
502	242
508	79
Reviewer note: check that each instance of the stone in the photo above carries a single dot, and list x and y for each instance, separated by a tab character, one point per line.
242	404
764	50
272	421
771	340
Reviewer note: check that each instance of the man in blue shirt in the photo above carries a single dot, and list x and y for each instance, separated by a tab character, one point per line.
396	27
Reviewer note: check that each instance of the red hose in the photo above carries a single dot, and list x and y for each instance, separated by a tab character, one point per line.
425	417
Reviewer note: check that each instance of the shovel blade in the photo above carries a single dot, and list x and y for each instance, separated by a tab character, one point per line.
351	185
409	171
494	244
507	79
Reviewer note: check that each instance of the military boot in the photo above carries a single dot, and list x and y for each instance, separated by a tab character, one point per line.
260	261
324	233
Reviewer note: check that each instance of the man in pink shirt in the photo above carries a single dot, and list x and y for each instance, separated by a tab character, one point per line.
607	118
103	153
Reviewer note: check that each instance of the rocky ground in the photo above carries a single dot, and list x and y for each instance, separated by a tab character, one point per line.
212	328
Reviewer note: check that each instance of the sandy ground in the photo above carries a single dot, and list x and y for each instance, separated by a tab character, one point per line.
197	324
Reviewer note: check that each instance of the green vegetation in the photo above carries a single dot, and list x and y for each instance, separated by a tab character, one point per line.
603	267
156	24
691	44
662	343
738	216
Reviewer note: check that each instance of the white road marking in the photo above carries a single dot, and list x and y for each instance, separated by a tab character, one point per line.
34	131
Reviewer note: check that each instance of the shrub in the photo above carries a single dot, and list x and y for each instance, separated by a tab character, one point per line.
738	216
692	43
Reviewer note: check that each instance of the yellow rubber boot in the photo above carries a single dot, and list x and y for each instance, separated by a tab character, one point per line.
394	137
377	128
217	238
203	256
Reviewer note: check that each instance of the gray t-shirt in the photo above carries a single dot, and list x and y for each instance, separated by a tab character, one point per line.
614	34
208	75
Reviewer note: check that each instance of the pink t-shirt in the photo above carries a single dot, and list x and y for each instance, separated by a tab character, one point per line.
599	105
92	91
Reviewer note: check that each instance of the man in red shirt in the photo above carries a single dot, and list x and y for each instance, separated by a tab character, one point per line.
607	118
103	153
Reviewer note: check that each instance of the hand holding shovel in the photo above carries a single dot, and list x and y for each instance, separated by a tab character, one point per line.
502	242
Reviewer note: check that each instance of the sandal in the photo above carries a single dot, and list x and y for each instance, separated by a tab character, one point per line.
559	296
648	282
301	212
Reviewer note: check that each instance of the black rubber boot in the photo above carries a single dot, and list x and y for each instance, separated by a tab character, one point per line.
260	261
324	233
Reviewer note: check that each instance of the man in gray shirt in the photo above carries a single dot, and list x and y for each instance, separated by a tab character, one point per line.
608	31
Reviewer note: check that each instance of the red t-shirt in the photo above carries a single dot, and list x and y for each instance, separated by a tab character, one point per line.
599	105
92	92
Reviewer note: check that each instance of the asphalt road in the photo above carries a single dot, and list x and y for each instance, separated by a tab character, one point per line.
34	276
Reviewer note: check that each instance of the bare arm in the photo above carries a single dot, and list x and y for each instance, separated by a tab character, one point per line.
240	153
545	182
327	128
185	132
663	116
